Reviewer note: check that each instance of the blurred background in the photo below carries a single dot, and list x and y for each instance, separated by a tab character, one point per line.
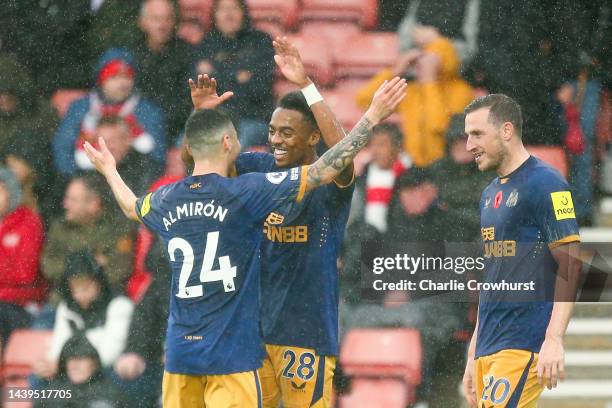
79	284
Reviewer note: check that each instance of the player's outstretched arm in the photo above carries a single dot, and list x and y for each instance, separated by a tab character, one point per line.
290	63
204	93
106	165
336	159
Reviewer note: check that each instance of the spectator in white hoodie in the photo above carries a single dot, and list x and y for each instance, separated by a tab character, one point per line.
88	305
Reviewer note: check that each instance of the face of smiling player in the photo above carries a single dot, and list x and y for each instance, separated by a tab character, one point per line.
485	140
292	138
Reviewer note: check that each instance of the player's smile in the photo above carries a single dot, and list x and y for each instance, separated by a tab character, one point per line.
288	137
280	153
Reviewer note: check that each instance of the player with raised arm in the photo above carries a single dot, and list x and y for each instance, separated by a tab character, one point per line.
211	226
530	234
300	245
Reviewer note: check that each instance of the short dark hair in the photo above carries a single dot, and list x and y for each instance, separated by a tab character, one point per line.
502	108
296	101
204	128
392	130
95	184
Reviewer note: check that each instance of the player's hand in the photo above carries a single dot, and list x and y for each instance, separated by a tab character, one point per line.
386	99
468	383
204	93
289	62
551	362
130	366
102	159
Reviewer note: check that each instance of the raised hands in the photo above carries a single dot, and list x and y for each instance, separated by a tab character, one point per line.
102	159
289	62
386	99
204	93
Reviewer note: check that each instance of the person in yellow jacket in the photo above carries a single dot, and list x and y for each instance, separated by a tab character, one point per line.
432	98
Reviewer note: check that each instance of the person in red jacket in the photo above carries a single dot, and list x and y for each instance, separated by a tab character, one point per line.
21	242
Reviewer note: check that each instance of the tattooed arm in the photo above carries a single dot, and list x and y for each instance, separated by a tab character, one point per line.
338	157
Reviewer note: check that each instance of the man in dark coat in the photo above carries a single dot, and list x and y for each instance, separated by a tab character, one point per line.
164	63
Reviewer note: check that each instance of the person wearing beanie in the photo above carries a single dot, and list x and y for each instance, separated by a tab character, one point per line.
80	372
88	305
21	242
113	95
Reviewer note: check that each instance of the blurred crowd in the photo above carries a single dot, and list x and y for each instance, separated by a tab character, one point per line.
70	263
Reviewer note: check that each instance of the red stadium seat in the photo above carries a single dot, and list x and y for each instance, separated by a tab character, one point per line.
341	99
62	98
273	28
18	383
365	54
284	12
200	10
335	34
376	393
24	348
361	11
383	353
317	57
282	86
553	155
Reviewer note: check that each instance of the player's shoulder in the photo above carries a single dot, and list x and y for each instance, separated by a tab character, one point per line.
248	162
541	176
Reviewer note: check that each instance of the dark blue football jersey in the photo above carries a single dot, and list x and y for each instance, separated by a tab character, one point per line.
211	226
299	285
523	216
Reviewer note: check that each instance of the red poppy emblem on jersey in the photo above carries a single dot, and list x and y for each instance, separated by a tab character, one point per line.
498	199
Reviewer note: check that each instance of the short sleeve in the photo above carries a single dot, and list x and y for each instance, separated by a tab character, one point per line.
145	210
254	162
265	192
555	213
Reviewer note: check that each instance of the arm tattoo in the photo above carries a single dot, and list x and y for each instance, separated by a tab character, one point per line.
338	157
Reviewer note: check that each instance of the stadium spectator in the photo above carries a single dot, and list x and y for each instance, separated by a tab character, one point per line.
89	224
140	369
456	20
114	94
415	215
88	306
164	63
137	170
530	32
460	185
54	52
80	372
21	241
375	187
113	23
20	107
241	58
436	93
27	156
415	211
